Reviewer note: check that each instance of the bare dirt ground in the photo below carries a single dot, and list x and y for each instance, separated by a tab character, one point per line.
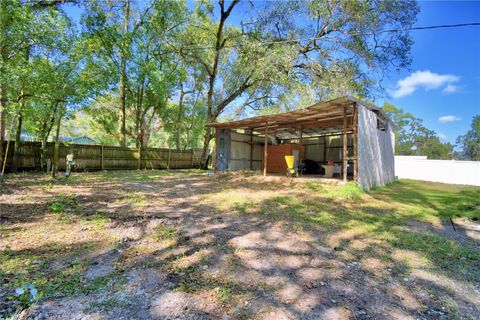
184	245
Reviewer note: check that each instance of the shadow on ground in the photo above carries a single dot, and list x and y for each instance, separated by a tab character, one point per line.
169	246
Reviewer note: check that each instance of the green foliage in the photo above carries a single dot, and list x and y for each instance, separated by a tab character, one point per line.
470	142
56	207
440	251
165	233
97	219
350	191
440	200
29	277
62	203
154	73
384	214
26	295
413	138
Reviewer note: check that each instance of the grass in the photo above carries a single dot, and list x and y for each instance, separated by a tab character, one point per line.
433	199
193	280
382	215
381	218
19	269
137	199
165	233
62	203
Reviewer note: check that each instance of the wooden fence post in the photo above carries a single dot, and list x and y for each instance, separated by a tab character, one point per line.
193	158
168	161
251	149
265	151
102	163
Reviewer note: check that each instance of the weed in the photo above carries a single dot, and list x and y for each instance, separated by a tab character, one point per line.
314	186
26	295
56	207
48	187
97	219
204	260
241	207
193	280
137	199
164	233
350	191
63	203
224	294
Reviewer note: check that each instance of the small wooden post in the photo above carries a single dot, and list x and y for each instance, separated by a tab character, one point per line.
193	159
344	147
301	143
168	160
102	163
265	151
355	142
251	149
324	148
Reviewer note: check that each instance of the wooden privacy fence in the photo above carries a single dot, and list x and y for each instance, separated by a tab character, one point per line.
99	157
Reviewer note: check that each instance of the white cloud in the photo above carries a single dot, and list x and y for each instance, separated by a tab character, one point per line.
426	80
449	118
451	88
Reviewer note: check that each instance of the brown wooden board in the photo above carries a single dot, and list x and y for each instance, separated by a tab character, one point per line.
98	157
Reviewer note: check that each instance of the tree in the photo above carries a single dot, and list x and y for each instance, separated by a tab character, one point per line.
154	73
470	142
336	47
413	138
30	32
127	44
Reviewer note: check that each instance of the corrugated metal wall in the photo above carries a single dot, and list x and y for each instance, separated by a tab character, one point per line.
376	162
240	152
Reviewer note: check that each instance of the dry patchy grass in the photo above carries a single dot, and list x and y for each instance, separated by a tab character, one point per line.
237	245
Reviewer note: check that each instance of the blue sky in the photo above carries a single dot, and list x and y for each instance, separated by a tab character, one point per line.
445	71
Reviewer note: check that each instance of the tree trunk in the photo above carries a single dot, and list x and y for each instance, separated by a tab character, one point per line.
206	143
43	155
18	134
123	77
18	140
57	147
140	114
3	107
219	45
47	128
3	91
122	105
179	120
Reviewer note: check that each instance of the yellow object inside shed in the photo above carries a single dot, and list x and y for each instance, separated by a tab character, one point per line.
290	161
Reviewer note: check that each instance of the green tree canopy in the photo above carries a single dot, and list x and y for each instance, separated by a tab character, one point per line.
153	73
470	142
412	138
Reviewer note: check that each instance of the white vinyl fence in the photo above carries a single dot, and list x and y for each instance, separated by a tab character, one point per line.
446	171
